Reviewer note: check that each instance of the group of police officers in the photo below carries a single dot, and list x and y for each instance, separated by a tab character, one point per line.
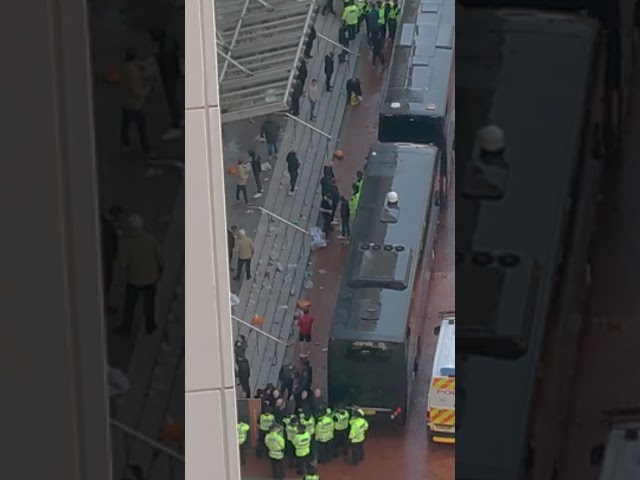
302	439
379	18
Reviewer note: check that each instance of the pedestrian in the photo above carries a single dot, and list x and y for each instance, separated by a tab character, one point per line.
324	437
293	167
302	448
387	9
318	403
309	45
343	39
325	184
244	372
359	179
285	378
231	242
373	28
275	445
256	168
303	402
135	90
326	211
168	61
240	347
109	233
378	49
243	434
328	70
392	19
280	409
305	324
141	259
341	431
334	195
327	169
313	95
303	72
344	219
357	432
265	421
350	17
295	98
244	251
353	202
291	429
241	181
269	131
354	89
382	20
328	7
306	378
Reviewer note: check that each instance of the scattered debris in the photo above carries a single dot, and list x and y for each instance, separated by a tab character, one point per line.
322	271
308	284
325	349
292	293
284	307
234	300
279	267
321	287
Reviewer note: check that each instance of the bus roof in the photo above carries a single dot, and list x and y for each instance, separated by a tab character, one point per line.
529	75
622	453
409	171
445	357
422	59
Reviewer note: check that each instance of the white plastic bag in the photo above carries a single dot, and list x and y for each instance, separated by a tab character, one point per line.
234	300
318	239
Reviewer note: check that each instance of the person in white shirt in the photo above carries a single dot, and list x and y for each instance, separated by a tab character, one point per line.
314	96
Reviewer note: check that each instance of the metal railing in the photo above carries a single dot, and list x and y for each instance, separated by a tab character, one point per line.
165	463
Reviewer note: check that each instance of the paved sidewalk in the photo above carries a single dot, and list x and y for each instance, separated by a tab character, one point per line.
282	252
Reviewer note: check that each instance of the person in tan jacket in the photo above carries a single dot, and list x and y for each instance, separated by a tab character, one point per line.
135	91
244	250
241	181
142	261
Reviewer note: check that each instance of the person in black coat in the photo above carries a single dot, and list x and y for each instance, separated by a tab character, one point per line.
295	98
334	195
328	70
345	216
354	86
256	168
378	48
343	40
328	7
303	72
244	372
231	241
293	168
309	45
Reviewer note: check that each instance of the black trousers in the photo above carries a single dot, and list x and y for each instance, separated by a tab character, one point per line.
277	469
340	442
328	7
295	105
244	383
342	56
131	294
325	451
293	174
378	54
357	452
345	228
351	31
137	118
246	263
307	49
303	464
393	26
327	81
171	94
261	448
243	448
242	189
256	176
327	228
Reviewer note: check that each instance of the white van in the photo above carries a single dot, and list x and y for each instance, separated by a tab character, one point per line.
441	402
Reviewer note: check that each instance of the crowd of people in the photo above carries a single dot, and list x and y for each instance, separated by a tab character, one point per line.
297	427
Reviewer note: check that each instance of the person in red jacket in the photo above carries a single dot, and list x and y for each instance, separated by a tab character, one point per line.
305	322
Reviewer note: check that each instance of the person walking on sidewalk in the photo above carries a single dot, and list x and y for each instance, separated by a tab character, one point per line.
269	131
313	95
309	45
241	181
343	40
244	372
256	168
142	261
135	91
305	324
231	241
328	70
293	167
303	72
373	28
344	219
295	98
350	17
378	48
168	60
245	251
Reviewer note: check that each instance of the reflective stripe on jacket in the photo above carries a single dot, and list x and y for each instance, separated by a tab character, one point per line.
243	430
302	444
324	429
266	420
341	421
275	444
